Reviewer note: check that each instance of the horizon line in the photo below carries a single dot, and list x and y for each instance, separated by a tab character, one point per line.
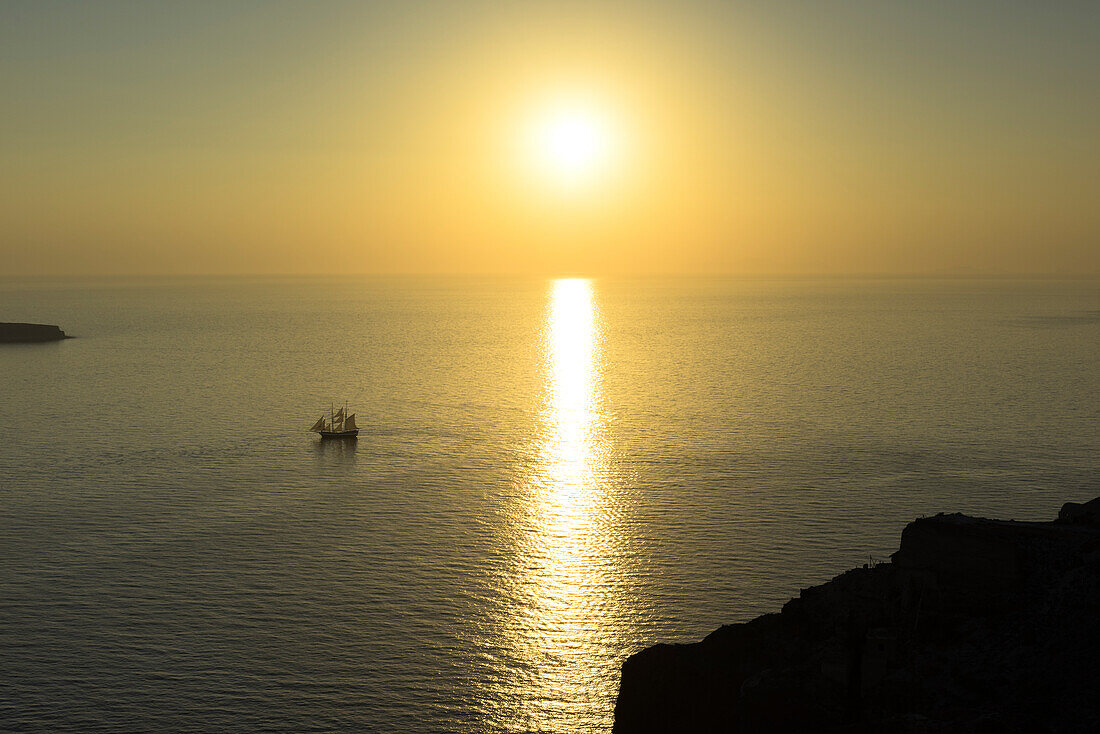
564	275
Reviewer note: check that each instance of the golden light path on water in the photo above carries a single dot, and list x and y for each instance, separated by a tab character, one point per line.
571	451
563	630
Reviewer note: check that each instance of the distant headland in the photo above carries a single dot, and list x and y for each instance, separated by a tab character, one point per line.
974	625
28	333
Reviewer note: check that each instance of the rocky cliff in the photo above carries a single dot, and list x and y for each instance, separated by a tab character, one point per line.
22	333
975	625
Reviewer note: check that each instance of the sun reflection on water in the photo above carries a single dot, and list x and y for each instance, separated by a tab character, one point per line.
566	573
570	450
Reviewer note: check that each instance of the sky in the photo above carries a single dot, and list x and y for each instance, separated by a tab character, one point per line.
856	137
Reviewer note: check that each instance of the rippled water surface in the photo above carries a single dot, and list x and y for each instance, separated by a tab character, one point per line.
551	475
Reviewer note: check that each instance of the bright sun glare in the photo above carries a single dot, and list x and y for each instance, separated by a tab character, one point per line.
572	144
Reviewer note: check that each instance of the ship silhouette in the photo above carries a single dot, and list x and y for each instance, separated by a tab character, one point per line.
338	424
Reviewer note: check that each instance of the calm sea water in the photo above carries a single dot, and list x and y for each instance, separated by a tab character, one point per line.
551	475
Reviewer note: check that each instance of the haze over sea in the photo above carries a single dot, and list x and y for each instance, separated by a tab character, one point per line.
550	476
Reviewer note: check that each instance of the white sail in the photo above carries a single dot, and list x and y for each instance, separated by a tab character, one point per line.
338	423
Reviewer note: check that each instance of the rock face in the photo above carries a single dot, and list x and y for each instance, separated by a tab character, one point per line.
24	333
1076	514
975	625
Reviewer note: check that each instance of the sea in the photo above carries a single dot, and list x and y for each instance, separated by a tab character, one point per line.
551	475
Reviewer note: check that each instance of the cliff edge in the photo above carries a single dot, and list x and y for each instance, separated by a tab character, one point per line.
24	333
975	625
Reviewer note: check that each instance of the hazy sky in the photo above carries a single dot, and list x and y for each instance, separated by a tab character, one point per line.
868	136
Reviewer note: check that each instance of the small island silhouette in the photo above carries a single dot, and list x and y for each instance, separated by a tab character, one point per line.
17	333
974	625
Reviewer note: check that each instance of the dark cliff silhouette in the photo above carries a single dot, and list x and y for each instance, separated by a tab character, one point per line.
975	625
11	333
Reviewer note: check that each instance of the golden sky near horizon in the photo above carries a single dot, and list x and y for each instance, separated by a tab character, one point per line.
550	138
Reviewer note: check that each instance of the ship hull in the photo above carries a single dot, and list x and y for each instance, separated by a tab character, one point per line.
339	434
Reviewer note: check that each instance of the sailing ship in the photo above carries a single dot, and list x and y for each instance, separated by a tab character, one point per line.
338	424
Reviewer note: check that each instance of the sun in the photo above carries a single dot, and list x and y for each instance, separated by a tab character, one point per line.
572	144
